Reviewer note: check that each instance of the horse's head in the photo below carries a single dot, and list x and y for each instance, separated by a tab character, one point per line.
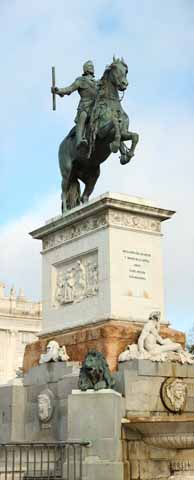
117	72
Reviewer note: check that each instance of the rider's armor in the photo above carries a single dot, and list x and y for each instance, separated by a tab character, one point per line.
86	86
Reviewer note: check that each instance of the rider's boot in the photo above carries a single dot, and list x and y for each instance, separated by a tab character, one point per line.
81	142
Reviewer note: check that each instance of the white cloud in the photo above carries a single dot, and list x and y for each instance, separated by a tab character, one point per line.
20	258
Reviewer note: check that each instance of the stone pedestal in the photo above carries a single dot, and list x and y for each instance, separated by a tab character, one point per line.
59	378
12	409
97	416
140	382
102	261
158	443
183	466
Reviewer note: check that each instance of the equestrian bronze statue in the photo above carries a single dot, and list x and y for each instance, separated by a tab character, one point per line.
101	128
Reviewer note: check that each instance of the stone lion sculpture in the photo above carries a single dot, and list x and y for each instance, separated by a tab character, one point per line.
95	373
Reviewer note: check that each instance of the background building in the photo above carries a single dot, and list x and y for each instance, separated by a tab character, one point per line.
20	321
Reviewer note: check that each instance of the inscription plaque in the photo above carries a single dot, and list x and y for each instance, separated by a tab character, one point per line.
137	272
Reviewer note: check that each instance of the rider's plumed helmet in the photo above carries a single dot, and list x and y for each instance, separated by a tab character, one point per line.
88	67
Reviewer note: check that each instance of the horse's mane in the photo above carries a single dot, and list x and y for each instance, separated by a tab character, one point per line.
108	68
102	94
104	79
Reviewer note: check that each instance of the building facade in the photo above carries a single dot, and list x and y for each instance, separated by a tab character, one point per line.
20	322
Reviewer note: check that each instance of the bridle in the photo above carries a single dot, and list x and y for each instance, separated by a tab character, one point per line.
122	96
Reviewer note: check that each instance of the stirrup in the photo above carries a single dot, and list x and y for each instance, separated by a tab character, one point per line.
83	142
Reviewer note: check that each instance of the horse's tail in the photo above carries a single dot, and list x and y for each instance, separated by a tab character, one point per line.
66	150
70	185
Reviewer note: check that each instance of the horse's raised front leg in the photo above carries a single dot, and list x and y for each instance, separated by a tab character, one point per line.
90	184
127	154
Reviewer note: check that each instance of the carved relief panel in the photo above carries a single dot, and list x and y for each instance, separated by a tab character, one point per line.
174	394
75	279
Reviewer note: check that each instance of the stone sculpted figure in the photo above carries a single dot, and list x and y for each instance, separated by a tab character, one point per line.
54	353
152	346
174	394
150	340
92	278
76	282
45	405
59	294
68	285
86	86
12	293
80	281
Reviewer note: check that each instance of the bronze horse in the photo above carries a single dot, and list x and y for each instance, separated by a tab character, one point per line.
106	132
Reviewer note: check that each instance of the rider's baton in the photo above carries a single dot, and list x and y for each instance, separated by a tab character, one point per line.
53	85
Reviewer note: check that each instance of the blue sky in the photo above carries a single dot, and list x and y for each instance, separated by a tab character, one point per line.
156	39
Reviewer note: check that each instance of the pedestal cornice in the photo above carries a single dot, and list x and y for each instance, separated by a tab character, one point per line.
117	210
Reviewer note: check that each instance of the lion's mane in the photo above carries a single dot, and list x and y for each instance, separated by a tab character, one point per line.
95	373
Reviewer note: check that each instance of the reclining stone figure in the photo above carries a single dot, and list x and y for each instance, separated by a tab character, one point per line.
151	346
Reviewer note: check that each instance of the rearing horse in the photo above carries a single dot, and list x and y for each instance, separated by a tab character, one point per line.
106	132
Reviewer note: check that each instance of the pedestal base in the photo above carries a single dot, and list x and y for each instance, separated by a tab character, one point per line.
110	338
